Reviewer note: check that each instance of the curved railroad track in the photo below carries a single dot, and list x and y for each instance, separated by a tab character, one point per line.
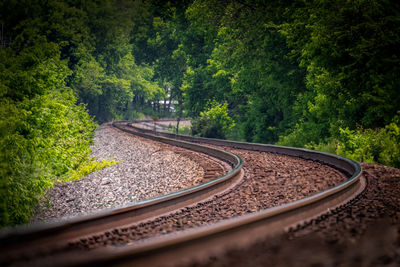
229	211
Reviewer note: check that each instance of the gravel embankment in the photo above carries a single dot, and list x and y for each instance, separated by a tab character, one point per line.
146	169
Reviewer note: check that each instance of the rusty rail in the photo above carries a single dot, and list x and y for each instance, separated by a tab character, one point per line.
199	243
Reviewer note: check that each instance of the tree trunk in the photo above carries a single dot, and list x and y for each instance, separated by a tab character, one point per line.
169	103
179	115
177	124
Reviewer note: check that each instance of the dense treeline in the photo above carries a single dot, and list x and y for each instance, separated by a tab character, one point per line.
320	74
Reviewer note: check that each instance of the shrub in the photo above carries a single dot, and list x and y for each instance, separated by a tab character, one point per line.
43	141
213	122
370	145
45	136
303	134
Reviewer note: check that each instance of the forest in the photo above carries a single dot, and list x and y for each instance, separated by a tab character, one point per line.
318	74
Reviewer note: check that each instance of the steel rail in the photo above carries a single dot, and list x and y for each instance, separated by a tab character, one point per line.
199	243
196	245
348	166
57	234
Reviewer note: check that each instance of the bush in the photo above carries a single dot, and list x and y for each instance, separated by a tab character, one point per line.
45	136
375	146
303	134
213	122
43	141
183	130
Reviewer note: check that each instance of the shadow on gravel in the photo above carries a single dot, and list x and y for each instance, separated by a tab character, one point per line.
379	246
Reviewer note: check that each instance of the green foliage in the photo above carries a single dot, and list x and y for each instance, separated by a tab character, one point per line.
248	67
183	130
348	51
213	122
44	135
87	168
96	38
303	134
375	146
88	78
42	140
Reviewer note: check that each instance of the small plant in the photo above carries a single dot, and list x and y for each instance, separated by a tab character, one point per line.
84	170
183	130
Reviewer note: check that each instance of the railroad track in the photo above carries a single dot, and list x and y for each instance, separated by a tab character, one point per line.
171	247
161	125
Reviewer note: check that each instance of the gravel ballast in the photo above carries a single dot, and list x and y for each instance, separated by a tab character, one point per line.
145	169
269	180
366	232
